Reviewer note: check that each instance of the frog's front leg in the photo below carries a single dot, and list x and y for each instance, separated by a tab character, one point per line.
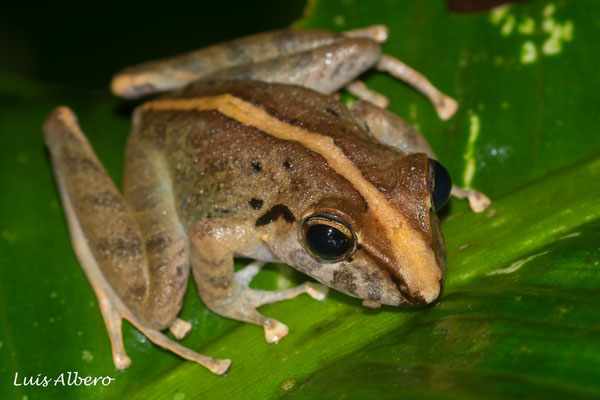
214	243
392	130
112	248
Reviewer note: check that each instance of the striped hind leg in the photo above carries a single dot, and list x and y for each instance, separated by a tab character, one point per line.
107	240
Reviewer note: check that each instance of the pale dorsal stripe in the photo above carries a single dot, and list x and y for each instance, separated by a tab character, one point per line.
416	261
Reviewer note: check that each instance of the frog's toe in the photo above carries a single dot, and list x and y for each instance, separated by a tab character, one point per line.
445	106
316	290
274	330
122	361
221	367
478	201
180	328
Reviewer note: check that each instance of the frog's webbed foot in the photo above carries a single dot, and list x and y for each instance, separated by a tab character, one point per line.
477	200
248	300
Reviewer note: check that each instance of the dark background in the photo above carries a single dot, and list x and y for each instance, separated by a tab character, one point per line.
82	44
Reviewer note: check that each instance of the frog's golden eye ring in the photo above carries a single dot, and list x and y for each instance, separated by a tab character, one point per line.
327	237
440	184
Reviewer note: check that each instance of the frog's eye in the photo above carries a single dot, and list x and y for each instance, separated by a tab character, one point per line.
440	184
327	237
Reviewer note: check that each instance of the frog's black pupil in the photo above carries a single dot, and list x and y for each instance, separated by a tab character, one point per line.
327	242
442	184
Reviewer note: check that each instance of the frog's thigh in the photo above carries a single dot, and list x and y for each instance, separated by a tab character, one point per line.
148	193
172	73
325	69
477	200
213	244
390	129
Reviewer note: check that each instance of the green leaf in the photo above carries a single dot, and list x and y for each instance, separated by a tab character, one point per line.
518	316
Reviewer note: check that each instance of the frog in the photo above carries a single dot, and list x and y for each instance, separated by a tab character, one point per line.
248	152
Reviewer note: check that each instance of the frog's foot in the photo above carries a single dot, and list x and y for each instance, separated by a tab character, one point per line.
248	300
477	200
180	328
360	90
444	105
113	313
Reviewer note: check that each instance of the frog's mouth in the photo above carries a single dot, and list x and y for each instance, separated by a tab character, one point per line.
417	280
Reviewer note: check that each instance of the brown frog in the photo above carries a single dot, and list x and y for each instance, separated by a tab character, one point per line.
252	156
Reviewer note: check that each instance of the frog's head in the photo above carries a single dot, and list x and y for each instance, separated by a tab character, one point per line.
388	248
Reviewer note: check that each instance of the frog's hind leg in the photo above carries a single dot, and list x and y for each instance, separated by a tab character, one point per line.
104	236
237	55
113	310
213	245
444	105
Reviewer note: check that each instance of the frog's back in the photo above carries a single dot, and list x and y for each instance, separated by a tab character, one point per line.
237	149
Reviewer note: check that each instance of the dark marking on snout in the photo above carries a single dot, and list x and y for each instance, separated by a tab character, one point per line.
373	281
256	203
384	266
278	210
344	280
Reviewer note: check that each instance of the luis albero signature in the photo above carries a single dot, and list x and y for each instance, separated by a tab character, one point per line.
68	378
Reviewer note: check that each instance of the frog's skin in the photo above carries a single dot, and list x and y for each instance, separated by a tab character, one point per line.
242	160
